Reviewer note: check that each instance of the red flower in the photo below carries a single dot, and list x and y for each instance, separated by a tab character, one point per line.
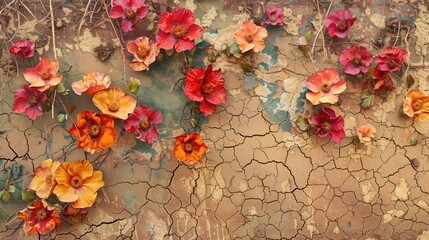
339	23
40	218
383	81
44	76
74	214
130	11
29	100
356	60
326	123
390	59
206	87
23	48
178	29
142	121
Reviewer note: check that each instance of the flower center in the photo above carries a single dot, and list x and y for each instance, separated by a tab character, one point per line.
342	27
250	38
179	31
144	124
33	100
142	52
356	61
273	18
130	14
76	182
41	214
207	89
326	127
392	64
114	106
45	75
189	148
48	179
417	105
94	131
326	87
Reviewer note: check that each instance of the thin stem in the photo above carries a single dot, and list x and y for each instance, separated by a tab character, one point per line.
53	29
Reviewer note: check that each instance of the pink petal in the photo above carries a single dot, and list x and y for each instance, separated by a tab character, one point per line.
117	12
183	45
165	41
127	26
194	32
33	112
156	117
20	105
142	12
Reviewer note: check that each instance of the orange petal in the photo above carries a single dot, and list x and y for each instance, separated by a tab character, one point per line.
314	98
65	193
85	199
61	175
107	138
94	182
81	168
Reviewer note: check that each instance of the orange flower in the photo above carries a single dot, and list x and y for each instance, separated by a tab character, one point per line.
324	86
250	36
416	104
189	148
91	83
44	76
144	51
114	103
39	218
43	182
94	132
78	183
365	133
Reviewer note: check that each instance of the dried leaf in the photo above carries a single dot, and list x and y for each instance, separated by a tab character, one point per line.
367	100
302	123
410	81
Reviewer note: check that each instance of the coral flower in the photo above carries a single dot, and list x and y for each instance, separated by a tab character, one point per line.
29	100
324	86
250	37
206	87
274	16
94	132
43	182
23	48
44	76
144	51
189	148
114	103
40	218
142	121
416	104
355	60
178	29
131	11
91	83
365	133
74	214
78	183
390	59
326	123
339	23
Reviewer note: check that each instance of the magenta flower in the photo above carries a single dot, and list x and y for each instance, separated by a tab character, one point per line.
23	48
142	121
131	11
390	59
326	123
29	100
339	23
356	59
274	16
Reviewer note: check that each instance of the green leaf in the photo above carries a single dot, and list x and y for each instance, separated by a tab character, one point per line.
194	122
410	81
367	100
235	50
27	195
302	123
12	188
247	67
212	56
308	36
6	196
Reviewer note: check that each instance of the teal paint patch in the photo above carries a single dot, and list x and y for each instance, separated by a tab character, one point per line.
300	101
250	81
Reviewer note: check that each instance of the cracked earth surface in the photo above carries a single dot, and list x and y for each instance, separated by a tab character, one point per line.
261	178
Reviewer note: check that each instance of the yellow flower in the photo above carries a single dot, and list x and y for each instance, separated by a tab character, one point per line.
43	182
114	103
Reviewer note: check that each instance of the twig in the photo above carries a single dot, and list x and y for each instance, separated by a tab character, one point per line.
320	29
83	18
68	115
397	34
31	13
53	31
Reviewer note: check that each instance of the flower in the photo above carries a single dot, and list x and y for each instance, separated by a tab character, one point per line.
74	214
43	182
383	81
40	218
365	132
91	83
250	37
339	23
114	103
274	16
356	59
78	183
144	52
23	48
206	87
130	11
390	59
324	86
44	76
178	29
189	148
142	121
326	123
416	104
29	100
94	132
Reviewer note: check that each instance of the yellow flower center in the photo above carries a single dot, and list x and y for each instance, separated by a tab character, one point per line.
207	89
41	214
142	52
342	27
326	127
326	87
48	180
114	106
94	130
45	75
130	14
76	182
179	31
250	38
144	124
33	100
417	105
189	148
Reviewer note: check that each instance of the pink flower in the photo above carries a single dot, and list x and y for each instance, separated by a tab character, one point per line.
365	133
390	59
274	16
130	11
356	60
250	37
144	51
178	29
29	100
23	48
206	87
142	121
339	23
324	86
91	83
326	123
44	76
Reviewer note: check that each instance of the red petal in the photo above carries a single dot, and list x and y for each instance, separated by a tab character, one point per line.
165	40
207	108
